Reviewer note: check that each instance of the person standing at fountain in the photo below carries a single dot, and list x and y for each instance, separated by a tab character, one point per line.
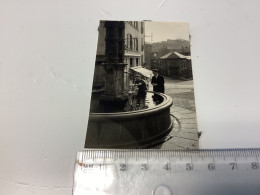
157	82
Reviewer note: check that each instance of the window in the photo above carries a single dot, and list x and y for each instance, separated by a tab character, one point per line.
136	61
131	62
127	41
136	44
142	27
134	24
142	44
131	42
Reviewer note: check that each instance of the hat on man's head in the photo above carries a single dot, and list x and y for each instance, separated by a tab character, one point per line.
137	76
155	70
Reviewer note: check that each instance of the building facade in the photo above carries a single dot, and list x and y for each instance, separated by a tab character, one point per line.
134	51
147	56
175	65
134	47
154	59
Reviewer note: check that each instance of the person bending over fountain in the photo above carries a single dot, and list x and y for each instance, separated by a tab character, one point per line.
142	89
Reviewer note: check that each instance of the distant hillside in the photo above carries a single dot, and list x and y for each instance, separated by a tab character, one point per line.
171	45
177	44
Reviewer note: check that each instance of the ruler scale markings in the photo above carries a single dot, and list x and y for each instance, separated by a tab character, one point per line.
257	161
83	158
246	155
125	161
92	155
170	162
147	160
191	162
201	156
243	161
214	162
235	162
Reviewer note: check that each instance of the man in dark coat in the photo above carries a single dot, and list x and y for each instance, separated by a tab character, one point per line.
157	82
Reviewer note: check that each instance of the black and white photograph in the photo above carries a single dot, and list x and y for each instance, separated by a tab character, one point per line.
142	91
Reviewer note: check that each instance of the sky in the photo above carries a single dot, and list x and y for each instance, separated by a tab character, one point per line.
166	30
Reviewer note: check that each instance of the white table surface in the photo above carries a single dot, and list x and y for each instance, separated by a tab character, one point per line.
47	57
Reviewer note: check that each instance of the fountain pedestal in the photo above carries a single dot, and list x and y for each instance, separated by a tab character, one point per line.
114	83
114	68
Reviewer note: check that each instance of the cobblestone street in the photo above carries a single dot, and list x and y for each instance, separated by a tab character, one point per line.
184	134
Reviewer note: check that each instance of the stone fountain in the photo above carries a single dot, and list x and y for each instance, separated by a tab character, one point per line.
110	125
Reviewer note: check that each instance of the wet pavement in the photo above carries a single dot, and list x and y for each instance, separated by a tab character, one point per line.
184	134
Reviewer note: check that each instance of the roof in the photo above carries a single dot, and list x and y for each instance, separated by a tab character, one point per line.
183	56
175	55
145	72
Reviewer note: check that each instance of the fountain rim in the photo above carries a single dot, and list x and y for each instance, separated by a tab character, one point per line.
166	103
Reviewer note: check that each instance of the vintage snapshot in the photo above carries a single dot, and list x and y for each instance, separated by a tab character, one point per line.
142	92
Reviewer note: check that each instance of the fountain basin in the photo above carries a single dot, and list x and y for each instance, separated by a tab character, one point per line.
131	129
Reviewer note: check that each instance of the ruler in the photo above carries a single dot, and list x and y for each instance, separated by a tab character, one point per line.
159	172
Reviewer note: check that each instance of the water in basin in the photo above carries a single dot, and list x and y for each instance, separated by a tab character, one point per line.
133	103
